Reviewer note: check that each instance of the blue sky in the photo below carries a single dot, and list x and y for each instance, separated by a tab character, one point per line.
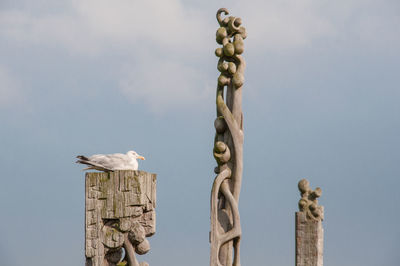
321	101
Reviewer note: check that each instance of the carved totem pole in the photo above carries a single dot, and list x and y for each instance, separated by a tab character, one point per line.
119	214
309	231
228	144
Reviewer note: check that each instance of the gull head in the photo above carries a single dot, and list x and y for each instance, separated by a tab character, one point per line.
135	155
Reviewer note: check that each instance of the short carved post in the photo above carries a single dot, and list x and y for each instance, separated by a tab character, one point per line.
226	231
309	231
119	214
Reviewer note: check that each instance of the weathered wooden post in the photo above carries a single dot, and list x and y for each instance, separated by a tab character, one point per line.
309	231
228	144
119	214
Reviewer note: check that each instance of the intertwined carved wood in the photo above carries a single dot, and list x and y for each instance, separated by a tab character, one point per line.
309	231
228	145
119	214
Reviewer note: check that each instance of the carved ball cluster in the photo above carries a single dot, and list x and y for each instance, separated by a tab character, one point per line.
114	236
222	153
308	202
231	35
137	236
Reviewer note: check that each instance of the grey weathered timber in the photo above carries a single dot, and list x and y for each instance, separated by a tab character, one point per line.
309	231
119	214
226	231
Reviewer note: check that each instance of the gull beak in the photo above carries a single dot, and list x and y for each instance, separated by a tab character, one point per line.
141	158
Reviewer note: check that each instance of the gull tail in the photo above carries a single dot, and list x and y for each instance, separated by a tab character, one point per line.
92	165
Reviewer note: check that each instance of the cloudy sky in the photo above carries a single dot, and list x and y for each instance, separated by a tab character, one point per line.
321	101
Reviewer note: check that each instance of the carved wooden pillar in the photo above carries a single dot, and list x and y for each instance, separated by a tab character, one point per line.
119	214
309	231
228	144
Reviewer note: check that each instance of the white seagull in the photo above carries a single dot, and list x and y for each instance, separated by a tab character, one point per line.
111	162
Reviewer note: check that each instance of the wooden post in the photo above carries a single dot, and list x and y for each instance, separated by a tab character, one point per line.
119	214
225	230
309	231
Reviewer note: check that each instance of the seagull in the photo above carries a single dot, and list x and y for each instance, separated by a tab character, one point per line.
111	162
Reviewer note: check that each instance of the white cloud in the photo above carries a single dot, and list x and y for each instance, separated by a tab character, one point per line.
289	25
170	34
165	84
159	39
163	22
285	24
10	92
94	25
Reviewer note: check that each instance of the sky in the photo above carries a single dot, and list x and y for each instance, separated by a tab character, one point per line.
320	101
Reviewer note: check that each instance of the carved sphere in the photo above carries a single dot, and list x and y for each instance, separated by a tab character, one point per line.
302	204
318	192
243	32
112	238
231	68
221	34
221	152
239	44
216	170
220	147
229	49
143	247
316	213
220	125
233	24
237	22
219	52
114	256
223	67
137	233
304	186
238	79
223	80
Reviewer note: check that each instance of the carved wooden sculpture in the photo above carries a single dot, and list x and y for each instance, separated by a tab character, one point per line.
228	145
309	231
120	213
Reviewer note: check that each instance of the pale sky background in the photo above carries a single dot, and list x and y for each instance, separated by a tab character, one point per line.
321	101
